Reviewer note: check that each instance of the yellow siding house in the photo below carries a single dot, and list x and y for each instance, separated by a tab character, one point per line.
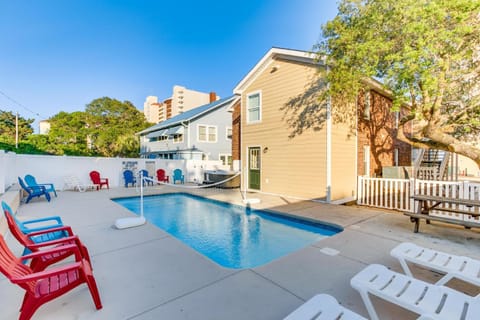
289	143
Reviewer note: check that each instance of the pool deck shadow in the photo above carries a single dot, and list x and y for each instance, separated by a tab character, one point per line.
144	273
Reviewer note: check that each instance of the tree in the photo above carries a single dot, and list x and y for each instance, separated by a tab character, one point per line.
112	125
8	127
68	134
426	52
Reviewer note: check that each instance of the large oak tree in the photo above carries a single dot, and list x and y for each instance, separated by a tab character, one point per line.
426	52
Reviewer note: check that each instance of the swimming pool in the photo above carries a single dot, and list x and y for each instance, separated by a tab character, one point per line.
232	236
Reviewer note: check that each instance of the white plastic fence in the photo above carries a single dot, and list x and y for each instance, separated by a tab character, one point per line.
395	194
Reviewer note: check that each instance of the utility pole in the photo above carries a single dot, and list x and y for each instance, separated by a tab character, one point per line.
16	130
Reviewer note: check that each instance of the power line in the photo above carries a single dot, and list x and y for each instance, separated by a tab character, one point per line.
21	105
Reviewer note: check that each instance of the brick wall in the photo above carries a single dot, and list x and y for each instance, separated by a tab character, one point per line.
377	129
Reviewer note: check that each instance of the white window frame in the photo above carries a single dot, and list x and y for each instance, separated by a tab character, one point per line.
178	141
226	155
207	127
247	108
226	133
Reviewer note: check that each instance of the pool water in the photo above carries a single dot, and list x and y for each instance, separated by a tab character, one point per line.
232	236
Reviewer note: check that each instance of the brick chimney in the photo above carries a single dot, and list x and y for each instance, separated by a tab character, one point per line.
213	96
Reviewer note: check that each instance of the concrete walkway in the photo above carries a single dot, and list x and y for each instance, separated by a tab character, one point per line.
144	273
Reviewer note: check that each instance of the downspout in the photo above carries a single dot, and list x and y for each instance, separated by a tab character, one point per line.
357	133
188	133
329	144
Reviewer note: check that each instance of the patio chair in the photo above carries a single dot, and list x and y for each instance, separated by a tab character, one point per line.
73	183
32	182
323	307
162	177
44	286
144	174
178	176
99	182
453	266
38	240
33	192
129	178
36	224
422	298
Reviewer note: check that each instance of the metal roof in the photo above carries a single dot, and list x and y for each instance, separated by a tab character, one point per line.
189	115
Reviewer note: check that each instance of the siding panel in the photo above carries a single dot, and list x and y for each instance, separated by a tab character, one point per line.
292	166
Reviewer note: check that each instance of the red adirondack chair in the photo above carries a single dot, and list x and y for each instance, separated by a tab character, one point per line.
99	182
42	287
39	246
161	176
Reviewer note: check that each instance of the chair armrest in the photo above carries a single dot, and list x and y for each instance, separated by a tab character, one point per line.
74	249
68	229
51	218
47	273
36	188
45	184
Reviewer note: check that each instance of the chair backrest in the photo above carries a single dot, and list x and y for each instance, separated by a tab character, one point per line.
144	173
24	187
6	208
11	267
15	230
30	180
160	174
95	177
128	175
177	173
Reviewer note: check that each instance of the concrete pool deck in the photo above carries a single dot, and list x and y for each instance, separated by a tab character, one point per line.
144	273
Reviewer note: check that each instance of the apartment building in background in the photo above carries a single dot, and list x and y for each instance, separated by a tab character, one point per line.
44	126
182	100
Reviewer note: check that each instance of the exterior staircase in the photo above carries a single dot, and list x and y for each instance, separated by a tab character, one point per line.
432	164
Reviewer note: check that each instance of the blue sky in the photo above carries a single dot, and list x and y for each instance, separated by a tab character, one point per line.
59	55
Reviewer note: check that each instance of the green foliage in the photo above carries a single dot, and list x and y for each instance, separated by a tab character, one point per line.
68	133
8	130
107	127
112	125
427	52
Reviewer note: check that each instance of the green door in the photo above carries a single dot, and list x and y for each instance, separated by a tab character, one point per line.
254	168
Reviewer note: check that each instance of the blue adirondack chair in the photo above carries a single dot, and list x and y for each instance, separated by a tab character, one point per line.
129	178
178	176
144	173
56	222
32	182
32	192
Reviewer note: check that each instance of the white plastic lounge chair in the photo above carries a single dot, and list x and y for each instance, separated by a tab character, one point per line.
323	307
464	268
73	183
425	299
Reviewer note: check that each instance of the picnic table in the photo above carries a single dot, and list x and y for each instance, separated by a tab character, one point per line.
426	204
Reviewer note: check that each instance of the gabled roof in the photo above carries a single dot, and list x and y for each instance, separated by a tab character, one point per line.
190	114
273	54
298	56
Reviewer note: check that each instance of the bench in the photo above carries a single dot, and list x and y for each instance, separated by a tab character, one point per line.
428	203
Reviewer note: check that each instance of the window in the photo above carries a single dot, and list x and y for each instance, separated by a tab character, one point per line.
366	110
177	138
207	133
225	158
254	107
160	138
229	133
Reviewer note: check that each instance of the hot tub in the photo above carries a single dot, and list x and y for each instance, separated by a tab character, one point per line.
213	176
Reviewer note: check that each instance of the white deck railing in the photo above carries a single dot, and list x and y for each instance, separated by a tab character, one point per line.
395	194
